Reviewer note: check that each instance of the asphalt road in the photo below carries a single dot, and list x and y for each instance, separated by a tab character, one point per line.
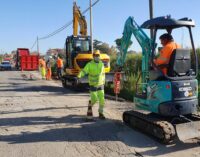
39	118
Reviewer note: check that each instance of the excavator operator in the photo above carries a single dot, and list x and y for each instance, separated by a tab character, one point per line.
96	76
169	46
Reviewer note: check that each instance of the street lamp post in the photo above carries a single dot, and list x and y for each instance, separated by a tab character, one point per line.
151	15
38	46
91	35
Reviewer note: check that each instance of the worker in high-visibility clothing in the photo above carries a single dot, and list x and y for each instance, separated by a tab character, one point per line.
59	67
40	61
43	68
48	67
96	77
169	46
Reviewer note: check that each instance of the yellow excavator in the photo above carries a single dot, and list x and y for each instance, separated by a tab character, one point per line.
78	52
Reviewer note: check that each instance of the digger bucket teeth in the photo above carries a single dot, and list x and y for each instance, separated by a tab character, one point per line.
186	131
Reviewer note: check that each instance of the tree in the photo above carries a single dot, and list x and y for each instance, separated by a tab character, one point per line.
104	47
119	40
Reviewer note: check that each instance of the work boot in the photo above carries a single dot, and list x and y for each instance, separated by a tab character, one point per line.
89	111
101	116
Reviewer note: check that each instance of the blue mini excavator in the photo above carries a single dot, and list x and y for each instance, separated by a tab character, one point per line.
166	105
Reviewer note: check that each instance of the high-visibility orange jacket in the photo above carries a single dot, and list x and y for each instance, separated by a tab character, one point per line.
165	55
40	61
42	64
59	63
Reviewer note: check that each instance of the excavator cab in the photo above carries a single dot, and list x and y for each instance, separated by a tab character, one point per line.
180	62
74	46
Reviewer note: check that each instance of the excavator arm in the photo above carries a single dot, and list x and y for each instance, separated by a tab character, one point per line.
78	18
131	27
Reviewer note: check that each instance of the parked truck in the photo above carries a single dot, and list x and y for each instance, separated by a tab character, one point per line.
26	61
21	52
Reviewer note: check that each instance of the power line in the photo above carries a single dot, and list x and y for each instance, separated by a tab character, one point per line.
66	25
63	27
56	31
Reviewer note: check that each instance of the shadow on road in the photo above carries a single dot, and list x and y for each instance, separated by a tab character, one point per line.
17	79
44	88
40	109
76	129
13	84
21	121
88	131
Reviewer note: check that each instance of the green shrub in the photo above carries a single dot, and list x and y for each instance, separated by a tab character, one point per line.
132	69
133	63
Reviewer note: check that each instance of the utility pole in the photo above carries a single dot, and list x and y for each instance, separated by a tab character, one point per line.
91	26
151	15
38	46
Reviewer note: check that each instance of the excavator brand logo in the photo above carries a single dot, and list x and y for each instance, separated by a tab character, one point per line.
186	84
81	38
152	90
182	89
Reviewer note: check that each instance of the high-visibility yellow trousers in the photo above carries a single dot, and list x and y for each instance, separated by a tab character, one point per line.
98	96
43	72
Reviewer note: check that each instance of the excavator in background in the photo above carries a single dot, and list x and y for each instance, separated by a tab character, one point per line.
165	105
78	52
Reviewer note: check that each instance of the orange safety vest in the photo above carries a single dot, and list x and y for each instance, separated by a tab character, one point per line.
40	60
42	64
165	55
59	63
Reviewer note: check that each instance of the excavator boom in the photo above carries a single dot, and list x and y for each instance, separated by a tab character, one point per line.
78	18
132	28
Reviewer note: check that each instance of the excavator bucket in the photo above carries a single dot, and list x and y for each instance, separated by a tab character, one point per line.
186	131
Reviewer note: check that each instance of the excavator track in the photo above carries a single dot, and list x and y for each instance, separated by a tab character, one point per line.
163	131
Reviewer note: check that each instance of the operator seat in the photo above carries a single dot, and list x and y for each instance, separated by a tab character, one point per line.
179	63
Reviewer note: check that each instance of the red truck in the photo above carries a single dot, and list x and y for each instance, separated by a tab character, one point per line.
26	61
21	52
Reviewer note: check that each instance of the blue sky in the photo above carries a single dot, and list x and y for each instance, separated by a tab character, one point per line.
23	20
